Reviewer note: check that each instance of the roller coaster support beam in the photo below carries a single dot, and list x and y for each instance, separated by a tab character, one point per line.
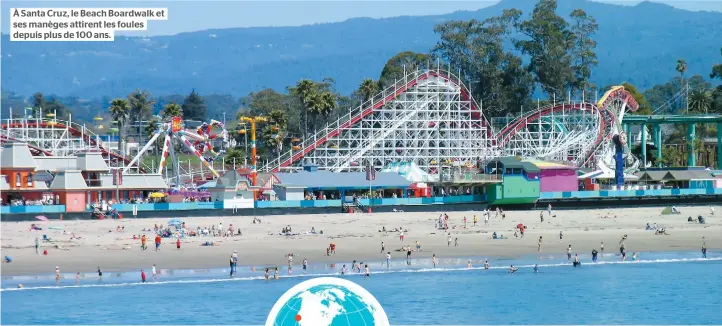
658	143
691	150
643	145
719	145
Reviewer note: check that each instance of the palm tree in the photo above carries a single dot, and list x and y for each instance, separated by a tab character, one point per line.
314	106
172	110
701	100
304	91
120	111
327	104
274	133
367	89
681	68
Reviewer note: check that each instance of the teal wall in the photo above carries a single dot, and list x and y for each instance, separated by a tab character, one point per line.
169	206
630	193
374	202
32	209
514	189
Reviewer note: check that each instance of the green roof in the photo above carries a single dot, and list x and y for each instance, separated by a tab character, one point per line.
511	162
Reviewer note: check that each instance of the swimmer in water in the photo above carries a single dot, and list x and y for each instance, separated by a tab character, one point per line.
388	260
343	269
536	268
57	275
486	264
433	260
468	264
366	267
634	255
512	269
602	248
77	278
100	273
594	255
576	260
266	274
275	274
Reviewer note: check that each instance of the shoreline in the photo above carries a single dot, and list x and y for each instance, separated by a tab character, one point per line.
356	238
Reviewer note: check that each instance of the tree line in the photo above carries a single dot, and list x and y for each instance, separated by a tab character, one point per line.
504	60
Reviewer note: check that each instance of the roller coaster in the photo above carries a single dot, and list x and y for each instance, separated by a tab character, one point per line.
430	118
427	117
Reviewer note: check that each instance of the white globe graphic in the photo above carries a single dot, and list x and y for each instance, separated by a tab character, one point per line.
327	301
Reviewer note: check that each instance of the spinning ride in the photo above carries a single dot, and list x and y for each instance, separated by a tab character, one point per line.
201	147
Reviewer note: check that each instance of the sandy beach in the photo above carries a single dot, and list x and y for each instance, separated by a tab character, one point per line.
356	237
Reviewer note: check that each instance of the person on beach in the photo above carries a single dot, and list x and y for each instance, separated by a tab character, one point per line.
465	222
366	267
100	272
401	236
57	275
408	256
143	240
576	261
77	278
177	244
538	246
433	260
512	269
486	219
448	241
418	245
275	274
569	253
231	262
549	209
704	247
456	242
382	247
157	242
343	269
388	259
476	219
541	216
290	262
37	245
142	276
602	248
536	268
305	265
234	256
561	236
154	273
266	274
594	255
486	264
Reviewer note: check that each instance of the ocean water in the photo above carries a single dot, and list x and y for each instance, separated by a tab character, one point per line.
660	288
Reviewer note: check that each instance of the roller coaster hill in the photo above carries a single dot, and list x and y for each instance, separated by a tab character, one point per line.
427	119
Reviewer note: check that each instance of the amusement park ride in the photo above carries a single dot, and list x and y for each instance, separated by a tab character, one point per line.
427	117
201	147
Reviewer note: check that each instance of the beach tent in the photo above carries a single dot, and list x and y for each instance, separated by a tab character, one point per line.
410	171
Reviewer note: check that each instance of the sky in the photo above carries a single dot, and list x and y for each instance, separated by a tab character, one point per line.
188	16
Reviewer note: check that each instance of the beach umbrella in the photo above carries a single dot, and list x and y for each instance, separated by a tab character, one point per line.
41	218
157	195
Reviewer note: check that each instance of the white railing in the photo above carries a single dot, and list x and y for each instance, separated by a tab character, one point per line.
310	142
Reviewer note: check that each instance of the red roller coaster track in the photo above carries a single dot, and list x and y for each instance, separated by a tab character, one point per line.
465	96
72	130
